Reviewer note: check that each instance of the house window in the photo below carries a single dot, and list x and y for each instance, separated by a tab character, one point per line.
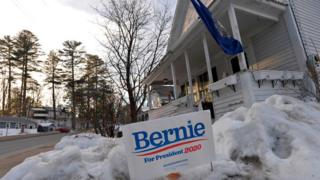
203	85
203	80
186	91
3	125
214	74
183	90
235	65
13	125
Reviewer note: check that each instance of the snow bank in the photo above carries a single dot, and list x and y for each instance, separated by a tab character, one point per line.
15	132
84	156
275	139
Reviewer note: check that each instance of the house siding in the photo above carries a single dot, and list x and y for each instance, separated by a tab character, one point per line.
227	102
307	13
273	48
178	22
266	90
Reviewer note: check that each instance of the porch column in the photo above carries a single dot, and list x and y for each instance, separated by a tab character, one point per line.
207	55
236	35
174	79
189	77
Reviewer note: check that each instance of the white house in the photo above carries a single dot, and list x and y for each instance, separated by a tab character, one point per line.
46	115
10	126
278	36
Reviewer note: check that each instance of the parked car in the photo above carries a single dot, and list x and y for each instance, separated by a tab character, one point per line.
46	127
63	129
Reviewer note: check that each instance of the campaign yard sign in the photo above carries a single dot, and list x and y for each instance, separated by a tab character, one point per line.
169	145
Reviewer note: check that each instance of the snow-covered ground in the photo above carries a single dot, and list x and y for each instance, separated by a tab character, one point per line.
15	132
275	139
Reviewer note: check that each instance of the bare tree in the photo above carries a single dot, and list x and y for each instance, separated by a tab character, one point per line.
136	36
313	65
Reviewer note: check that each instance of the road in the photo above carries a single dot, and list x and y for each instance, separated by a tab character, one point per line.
13	152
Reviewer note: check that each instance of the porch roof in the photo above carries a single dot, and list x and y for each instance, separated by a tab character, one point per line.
269	10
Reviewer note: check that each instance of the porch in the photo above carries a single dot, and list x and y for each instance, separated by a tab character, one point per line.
198	75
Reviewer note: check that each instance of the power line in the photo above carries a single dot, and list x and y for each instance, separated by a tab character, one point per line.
44	2
17	5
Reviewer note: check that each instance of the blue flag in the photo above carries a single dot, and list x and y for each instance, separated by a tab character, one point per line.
228	44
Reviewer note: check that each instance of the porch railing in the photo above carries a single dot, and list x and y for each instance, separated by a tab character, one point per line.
246	88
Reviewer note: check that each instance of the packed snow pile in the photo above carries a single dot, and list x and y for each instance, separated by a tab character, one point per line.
83	156
275	139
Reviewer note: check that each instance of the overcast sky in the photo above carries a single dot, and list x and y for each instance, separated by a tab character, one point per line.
53	22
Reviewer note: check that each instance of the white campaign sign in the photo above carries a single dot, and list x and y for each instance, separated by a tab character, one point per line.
159	147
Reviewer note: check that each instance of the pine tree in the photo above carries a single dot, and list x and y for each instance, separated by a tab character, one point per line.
72	56
26	52
6	49
95	76
15	101
53	76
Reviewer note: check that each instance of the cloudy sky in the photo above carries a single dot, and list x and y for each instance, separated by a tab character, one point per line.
53	22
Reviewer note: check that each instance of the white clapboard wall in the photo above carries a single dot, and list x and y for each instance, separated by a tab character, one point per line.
307	14
273	48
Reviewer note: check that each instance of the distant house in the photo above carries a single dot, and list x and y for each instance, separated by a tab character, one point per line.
15	125
46	115
40	114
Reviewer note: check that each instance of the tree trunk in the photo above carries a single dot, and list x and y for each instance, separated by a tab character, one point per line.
95	96
54	101
132	102
133	107
21	90
9	82
24	96
88	116
54	96
73	109
4	95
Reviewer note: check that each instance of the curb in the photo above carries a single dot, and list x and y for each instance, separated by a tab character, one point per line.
12	138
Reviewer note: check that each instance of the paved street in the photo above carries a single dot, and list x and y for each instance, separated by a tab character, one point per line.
15	151
15	146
